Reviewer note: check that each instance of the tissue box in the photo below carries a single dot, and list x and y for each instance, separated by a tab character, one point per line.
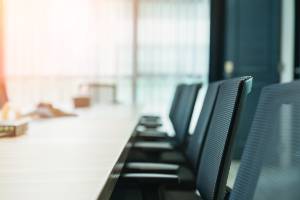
13	128
82	102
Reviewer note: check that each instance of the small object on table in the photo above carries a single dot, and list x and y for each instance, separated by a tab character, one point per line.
82	102
100	92
13	128
47	111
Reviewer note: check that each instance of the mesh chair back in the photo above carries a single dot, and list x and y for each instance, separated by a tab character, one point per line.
195	145
216	155
184	111
175	102
270	165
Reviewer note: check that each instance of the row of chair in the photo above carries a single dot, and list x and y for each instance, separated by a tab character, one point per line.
197	166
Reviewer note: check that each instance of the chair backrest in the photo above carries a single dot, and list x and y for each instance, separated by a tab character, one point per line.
175	101
217	151
195	145
184	112
270	165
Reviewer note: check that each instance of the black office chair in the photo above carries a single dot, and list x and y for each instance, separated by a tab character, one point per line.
182	118
161	161
270	165
216	155
150	122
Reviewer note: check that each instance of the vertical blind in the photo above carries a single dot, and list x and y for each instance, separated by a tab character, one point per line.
173	46
53	45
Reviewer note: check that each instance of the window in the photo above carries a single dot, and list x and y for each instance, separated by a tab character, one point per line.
54	45
173	45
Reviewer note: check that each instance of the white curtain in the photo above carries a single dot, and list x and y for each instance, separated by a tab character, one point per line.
53	45
173	38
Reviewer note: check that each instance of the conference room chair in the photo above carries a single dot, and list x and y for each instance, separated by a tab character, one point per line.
149	123
152	132
182	119
270	164
216	156
161	161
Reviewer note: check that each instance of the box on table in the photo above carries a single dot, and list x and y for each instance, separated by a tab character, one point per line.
82	101
13	128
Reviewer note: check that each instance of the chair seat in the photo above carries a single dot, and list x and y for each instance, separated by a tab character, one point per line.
179	195
153	133
175	156
150	123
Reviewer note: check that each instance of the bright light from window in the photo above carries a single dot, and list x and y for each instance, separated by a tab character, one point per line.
53	45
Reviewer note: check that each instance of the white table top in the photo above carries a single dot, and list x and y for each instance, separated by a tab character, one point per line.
67	158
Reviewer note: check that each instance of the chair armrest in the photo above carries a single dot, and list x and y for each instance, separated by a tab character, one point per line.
153	146
152	135
150	178
150	117
150	124
151	132
144	167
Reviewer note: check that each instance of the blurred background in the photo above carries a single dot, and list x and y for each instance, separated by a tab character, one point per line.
138	50
144	47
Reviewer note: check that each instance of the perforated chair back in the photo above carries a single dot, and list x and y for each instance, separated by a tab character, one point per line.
217	151
270	165
175	102
184	112
195	146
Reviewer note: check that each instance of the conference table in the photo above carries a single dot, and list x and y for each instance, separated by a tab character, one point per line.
76	158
